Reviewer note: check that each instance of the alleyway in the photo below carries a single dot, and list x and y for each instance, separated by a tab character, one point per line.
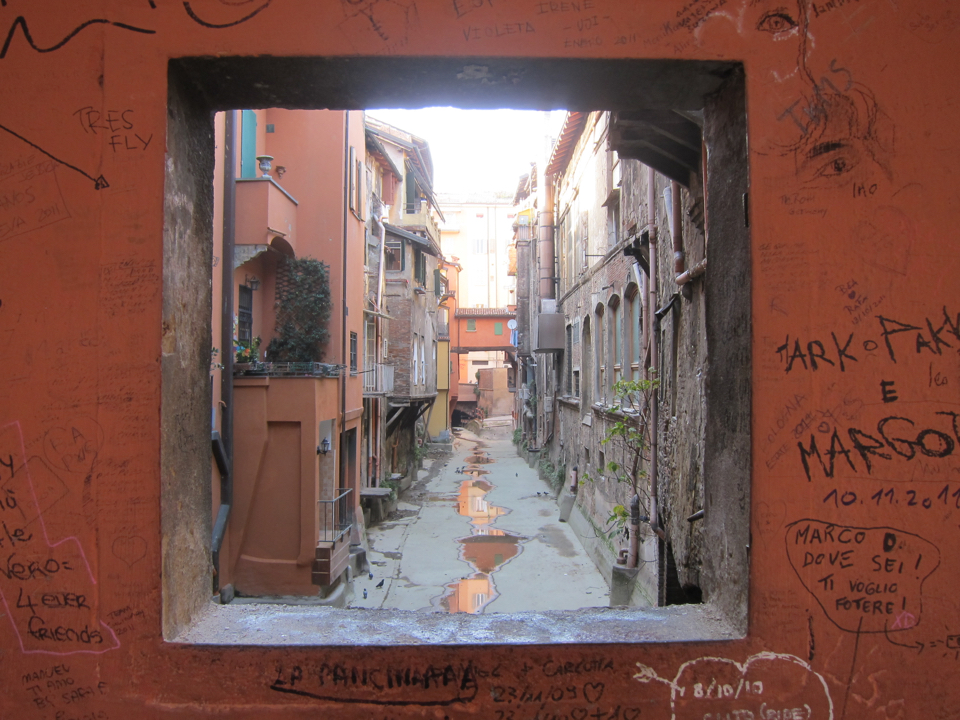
486	539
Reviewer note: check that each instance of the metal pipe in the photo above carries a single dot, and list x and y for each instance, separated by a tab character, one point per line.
547	249
224	441
654	355
343	296
696	271
676	228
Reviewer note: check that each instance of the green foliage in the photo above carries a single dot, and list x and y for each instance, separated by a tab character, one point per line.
628	438
551	473
394	488
517	434
303	312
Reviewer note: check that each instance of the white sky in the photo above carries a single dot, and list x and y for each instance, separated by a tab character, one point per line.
478	150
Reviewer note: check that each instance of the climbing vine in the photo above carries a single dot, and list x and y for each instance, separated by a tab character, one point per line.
303	311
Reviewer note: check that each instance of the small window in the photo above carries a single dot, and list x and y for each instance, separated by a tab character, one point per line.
471	325
498	328
245	314
420	267
353	353
394	255
480	246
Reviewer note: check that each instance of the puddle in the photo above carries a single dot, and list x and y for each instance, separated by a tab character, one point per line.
479	460
486	553
471	503
486	550
469	594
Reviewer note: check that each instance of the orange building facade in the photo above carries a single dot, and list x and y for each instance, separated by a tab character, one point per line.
848	273
293	428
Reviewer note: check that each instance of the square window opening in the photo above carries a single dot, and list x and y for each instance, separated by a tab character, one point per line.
196	88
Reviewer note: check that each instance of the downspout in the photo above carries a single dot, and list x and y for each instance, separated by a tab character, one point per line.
683	276
223	441
378	418
343	290
654	355
652	329
546	250
676	229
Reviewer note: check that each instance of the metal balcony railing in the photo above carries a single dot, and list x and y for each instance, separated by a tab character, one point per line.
289	369
377	378
443	331
335	517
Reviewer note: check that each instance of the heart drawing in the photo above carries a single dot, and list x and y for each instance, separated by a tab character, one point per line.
131	549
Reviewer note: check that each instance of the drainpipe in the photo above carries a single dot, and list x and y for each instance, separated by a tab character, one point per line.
546	249
223	441
683	276
654	353
676	228
343	290
696	271
378	450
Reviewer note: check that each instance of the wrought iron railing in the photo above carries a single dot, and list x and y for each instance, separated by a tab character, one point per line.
289	369
335	517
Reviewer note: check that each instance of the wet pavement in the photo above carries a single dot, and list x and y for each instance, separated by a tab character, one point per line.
478	532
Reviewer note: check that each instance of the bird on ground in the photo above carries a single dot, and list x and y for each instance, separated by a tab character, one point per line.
364	594
380	584
371	576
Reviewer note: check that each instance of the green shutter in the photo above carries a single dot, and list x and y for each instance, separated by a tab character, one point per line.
248	144
498	328
471	325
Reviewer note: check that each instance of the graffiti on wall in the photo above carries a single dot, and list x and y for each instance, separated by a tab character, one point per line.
47	586
766	685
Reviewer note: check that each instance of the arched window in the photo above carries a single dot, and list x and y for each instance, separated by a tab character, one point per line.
615	353
586	358
600	376
632	338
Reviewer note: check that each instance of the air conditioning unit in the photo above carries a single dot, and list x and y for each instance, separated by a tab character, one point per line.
550	337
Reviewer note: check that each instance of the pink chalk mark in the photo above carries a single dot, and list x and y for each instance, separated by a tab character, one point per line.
79	548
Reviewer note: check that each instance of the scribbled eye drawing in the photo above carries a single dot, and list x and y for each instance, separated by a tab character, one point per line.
776	21
831	159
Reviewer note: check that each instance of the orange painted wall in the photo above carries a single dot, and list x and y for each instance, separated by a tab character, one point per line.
485	335
854	268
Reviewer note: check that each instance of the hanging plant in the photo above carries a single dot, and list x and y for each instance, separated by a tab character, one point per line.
303	311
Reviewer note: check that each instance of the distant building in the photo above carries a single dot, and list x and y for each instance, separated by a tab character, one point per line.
409	266
478	230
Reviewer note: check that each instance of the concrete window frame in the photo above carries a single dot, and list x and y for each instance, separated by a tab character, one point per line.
200	86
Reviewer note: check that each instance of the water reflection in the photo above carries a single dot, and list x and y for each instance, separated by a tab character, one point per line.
469	594
471	503
487	549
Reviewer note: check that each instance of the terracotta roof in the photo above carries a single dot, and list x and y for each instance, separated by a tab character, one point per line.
573	126
485	312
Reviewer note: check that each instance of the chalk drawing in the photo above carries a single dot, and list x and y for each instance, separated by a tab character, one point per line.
47	588
713	688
